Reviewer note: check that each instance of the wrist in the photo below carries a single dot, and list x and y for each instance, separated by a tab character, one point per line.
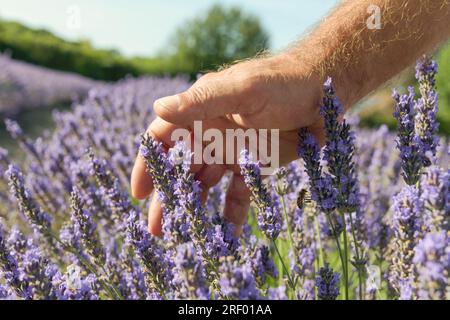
347	81
306	80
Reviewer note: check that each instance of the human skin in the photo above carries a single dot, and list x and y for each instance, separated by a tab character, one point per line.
283	91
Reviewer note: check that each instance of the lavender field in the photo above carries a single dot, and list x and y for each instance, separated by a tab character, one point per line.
26	86
365	217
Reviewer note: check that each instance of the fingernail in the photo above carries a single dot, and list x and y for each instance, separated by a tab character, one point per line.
170	102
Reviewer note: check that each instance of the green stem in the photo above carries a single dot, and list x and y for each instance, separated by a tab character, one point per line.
213	276
338	245
344	235
380	264
291	283
358	259
109	288
319	242
288	226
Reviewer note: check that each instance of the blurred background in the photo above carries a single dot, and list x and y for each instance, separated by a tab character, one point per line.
53	51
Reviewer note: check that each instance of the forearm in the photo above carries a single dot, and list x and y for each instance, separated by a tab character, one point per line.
361	59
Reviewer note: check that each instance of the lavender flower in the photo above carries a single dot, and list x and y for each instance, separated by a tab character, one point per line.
327	283
13	128
228	232
339	188
330	110
5	294
189	274
150	254
269	216
307	290
74	286
161	171
377	191
165	171
322	191
304	256
260	262
4	161
216	196
406	227
282	187
215	244
39	274
10	270
16	133
432	261
90	194
129	274
188	216
39	219
331	107
427	108
435	196
17	241
86	229
339	151
237	281
410	154
110	188
278	293
71	241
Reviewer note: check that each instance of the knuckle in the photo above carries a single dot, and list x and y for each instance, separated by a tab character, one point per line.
195	96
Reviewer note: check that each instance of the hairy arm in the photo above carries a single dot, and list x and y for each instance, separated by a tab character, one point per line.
360	58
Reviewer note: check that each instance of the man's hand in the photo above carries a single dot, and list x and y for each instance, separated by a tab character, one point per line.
273	93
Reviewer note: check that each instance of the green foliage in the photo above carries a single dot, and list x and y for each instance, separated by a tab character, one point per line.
223	35
43	48
443	85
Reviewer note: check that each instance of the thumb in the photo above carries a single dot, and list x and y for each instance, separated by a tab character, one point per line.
212	96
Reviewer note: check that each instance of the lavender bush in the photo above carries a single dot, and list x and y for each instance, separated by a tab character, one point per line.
25	86
355	220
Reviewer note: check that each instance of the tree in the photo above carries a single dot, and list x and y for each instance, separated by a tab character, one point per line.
221	36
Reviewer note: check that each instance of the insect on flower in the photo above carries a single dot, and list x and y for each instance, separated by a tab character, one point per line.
303	198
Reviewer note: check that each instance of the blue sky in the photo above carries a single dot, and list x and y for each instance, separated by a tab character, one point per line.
142	27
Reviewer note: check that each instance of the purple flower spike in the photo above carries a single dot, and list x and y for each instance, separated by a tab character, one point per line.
407	226
189	274
432	261
149	253
410	154
237	281
38	218
427	109
13	128
161	170
10	269
269	215
86	229
327	283
322	190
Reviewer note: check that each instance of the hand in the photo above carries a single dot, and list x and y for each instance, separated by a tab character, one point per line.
272	93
